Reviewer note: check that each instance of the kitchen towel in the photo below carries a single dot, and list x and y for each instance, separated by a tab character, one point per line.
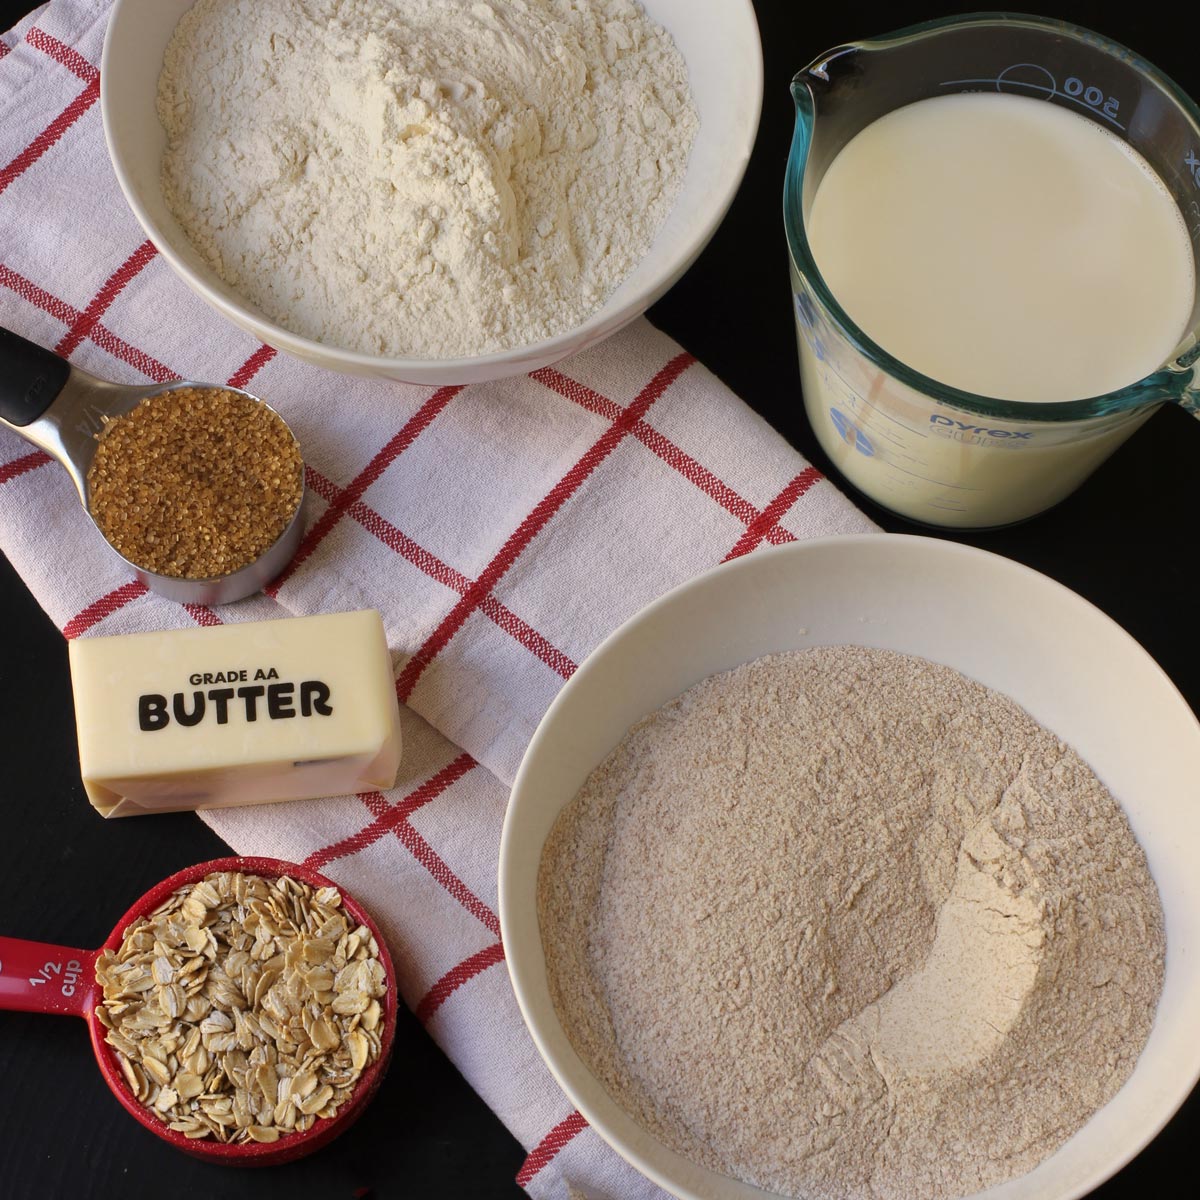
502	530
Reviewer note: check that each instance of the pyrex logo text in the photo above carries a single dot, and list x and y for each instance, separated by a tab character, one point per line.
938	419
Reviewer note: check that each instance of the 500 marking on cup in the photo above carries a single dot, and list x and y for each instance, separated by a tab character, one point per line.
70	972
1023	78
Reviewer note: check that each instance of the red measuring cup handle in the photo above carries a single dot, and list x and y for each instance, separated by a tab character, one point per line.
37	977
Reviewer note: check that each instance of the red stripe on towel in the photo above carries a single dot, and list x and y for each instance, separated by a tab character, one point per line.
104	607
537	520
549	1146
456	977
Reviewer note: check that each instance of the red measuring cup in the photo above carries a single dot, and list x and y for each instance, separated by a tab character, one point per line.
36	977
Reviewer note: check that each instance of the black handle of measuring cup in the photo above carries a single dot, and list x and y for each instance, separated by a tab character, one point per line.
30	378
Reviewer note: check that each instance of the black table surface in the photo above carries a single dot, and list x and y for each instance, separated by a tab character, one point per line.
1121	541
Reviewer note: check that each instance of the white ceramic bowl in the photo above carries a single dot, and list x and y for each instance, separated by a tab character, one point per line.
1067	663
724	60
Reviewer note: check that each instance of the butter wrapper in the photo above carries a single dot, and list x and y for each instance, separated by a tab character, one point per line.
224	715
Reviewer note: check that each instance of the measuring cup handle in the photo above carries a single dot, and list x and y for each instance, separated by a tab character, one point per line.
36	977
30	378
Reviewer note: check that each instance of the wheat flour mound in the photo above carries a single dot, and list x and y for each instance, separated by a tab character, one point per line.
426	178
844	923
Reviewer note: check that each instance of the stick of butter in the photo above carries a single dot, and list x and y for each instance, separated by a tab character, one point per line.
236	714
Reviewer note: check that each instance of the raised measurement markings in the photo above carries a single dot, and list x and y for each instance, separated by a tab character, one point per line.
1033	77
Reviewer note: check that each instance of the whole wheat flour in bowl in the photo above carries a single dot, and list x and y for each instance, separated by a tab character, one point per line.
423	178
844	923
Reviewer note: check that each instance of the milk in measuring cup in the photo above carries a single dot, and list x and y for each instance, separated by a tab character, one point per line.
1007	247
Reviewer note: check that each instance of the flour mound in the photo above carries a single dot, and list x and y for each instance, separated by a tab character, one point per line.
846	924
425	178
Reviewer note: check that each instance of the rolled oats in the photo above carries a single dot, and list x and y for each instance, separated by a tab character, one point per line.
244	1008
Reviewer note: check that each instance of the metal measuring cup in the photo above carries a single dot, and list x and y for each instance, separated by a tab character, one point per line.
61	408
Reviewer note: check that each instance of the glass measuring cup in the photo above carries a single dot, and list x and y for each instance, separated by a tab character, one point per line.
61	408
36	977
928	451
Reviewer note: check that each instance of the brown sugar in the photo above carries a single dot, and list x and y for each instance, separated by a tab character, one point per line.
195	482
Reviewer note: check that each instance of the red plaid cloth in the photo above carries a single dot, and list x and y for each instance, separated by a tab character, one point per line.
502	530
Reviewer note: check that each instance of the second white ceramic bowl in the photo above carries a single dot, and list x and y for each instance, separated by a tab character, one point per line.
1064	661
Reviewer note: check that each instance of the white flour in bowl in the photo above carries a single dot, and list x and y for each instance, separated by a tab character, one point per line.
423	178
844	923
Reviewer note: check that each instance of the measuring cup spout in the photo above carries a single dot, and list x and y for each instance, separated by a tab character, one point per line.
809	88
819	78
802	93
827	69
